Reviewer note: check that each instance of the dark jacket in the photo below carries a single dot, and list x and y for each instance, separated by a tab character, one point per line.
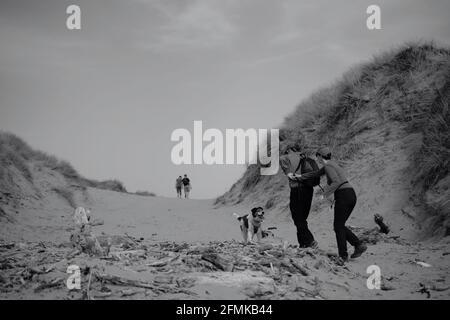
290	163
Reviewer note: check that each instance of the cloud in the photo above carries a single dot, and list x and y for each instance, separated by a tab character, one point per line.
282	56
200	24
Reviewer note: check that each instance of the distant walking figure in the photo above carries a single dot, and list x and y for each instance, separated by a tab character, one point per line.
187	186
345	201
179	186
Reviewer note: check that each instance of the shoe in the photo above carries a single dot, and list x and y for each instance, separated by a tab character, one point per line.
313	245
340	261
359	250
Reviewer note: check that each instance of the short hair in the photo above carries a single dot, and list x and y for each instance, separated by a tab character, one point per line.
294	145
324	153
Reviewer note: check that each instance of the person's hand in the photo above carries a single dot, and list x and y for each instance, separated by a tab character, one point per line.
290	176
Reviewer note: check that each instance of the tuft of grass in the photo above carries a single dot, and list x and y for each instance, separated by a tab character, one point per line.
67	195
270	203
145	193
113	185
14	153
433	158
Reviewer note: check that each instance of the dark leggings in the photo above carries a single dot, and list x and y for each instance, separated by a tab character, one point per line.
300	204
345	201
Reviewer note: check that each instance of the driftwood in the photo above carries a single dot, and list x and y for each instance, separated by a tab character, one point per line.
97	222
218	261
116	280
52	284
162	262
135	253
302	270
89	286
379	221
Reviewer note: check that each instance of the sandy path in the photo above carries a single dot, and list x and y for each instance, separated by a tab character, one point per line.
163	219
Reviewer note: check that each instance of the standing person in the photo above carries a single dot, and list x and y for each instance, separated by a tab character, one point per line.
179	185
187	186
301	192
345	201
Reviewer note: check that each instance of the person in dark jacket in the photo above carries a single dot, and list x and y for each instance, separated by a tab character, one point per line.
187	186
301	192
179	186
345	201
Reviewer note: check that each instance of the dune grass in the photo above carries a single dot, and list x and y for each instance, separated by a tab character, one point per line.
14	152
67	195
407	86
145	193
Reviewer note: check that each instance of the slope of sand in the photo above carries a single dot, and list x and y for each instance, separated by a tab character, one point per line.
178	237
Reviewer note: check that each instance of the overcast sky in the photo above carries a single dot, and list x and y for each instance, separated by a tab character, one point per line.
107	97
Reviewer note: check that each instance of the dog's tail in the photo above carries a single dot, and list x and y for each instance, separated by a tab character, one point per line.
236	215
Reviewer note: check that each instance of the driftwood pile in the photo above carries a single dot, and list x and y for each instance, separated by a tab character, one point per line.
122	266
138	269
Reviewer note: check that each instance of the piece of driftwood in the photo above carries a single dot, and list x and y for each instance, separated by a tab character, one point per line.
96	222
439	288
52	284
379	221
135	253
116	280
7	245
300	268
162	262
218	261
88	293
128	292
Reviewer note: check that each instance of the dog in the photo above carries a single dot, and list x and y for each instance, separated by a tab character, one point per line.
251	224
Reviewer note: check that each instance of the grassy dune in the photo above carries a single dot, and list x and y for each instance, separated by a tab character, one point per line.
27	174
399	96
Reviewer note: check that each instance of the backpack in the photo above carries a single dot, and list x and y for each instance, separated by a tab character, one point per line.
313	181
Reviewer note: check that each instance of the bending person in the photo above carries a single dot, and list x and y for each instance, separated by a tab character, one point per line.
345	201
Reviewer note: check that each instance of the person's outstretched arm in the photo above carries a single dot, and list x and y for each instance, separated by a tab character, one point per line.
311	175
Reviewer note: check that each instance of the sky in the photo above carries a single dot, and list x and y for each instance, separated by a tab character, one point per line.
107	97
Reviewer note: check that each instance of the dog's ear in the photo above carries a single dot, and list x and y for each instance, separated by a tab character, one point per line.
254	210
